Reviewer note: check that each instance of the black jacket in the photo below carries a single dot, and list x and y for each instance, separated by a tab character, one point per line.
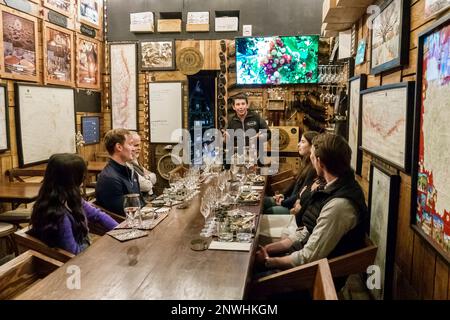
251	121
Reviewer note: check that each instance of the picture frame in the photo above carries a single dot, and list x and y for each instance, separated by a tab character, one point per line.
355	86
59	66
42	110
21	56
434	7
430	200
64	7
88	55
90	12
4	118
90	129
124	85
389	37
157	55
383	210
361	52
386	123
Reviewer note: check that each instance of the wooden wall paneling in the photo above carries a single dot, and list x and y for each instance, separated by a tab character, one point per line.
391	77
373	81
402	286
441	280
429	270
418	265
412	66
417	15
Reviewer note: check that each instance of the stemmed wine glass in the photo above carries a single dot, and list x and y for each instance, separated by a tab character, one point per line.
132	209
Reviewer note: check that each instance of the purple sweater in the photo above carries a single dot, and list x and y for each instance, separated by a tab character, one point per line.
66	237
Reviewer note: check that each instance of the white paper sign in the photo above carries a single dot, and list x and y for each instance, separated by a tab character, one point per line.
225	24
345	44
198	17
247	30
141	22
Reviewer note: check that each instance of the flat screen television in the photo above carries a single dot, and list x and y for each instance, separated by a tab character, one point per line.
277	59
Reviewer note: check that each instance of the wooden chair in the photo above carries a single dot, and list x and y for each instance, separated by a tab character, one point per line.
98	229
314	277
101	156
18	175
23	271
26	242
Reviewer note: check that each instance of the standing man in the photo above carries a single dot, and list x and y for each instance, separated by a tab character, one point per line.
333	219
117	179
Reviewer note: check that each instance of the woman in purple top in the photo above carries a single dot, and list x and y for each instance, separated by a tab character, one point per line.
60	215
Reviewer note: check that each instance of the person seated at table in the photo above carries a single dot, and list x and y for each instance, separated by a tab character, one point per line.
117	179
60	215
334	218
288	203
146	178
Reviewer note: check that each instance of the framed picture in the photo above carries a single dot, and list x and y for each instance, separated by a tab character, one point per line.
64	7
19	45
383	205
356	84
45	122
386	119
390	37
88	60
4	119
90	128
430	175
90	12
434	7
157	55
58	55
123	85
361	52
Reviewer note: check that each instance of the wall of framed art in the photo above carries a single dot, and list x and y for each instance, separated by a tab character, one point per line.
123	88
421	265
383	206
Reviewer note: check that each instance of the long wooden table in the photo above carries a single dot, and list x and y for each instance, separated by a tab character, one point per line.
166	269
93	167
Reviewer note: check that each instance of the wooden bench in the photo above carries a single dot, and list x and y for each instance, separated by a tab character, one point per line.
315	277
23	271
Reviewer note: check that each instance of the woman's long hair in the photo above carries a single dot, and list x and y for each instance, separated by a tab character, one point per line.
306	164
60	190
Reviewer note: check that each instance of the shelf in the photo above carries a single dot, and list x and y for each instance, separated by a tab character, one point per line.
331	13
354	3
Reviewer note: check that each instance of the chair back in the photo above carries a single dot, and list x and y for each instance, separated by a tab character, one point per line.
26	242
23	271
18	174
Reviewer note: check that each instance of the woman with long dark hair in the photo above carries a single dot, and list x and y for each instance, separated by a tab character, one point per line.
282	204
60	215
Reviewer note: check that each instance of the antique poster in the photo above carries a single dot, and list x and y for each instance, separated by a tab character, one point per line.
64	7
123	85
433	7
384	124
90	11
88	59
433	158
58	55
355	86
157	55
19	45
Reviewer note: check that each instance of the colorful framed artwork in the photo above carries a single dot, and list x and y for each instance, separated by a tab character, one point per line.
90	12
19	45
88	60
123	57
386	120
390	37
4	119
157	55
64	7
383	209
361	52
58	55
434	7
356	84
430	198
90	128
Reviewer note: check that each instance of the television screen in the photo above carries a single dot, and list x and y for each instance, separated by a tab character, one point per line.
277	60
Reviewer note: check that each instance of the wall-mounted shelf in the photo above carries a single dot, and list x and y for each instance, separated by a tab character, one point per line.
354	3
331	13
169	22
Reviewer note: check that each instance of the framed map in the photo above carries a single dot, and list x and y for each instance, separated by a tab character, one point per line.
390	37
58	55
433	7
88	60
123	85
4	119
356	84
383	204
45	122
430	175
19	45
64	7
386	119
90	12
157	55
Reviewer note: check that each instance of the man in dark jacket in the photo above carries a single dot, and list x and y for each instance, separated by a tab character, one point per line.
334	219
117	179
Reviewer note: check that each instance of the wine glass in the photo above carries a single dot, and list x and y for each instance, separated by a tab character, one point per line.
174	179
132	208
